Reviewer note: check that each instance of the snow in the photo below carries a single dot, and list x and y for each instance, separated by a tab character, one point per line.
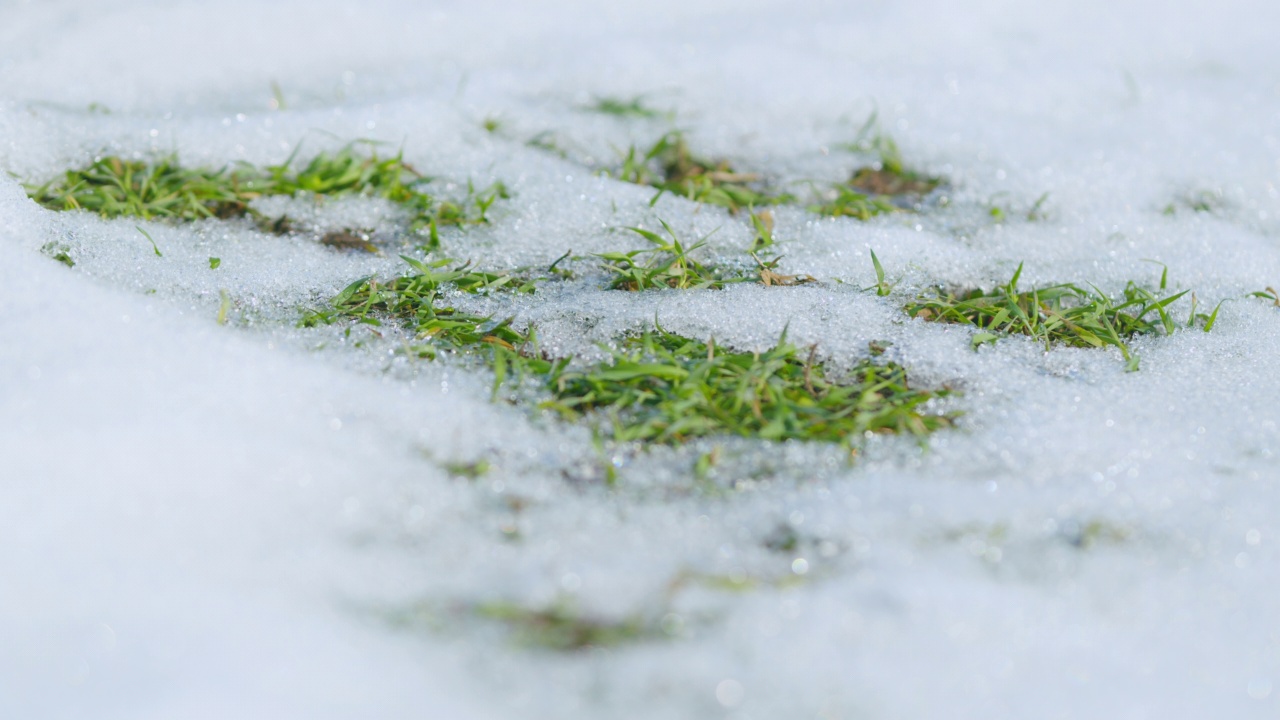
218	521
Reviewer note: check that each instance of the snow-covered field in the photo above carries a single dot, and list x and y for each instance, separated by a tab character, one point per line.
254	520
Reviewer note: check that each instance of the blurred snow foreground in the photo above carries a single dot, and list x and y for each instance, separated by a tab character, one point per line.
209	512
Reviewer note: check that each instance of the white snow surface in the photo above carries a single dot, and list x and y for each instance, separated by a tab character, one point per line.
222	521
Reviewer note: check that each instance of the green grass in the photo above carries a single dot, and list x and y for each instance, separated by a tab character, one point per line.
671	167
659	387
842	201
418	300
1000	212
224	306
629	108
884	187
664	388
1063	314
1269	294
467	470
163	189
762	223
59	252
114	187
668	263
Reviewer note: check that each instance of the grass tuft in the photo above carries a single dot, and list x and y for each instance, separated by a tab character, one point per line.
883	187
114	187
165	190
659	387
671	167
665	388
419	300
668	263
1063	314
842	201
762	222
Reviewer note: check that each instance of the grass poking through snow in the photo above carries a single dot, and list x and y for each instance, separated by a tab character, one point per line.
668	263
671	167
1063	314
885	186
165	190
660	387
420	301
629	108
1269	294
59	252
665	388
842	201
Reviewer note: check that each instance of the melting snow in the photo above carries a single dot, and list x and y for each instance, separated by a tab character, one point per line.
217	521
